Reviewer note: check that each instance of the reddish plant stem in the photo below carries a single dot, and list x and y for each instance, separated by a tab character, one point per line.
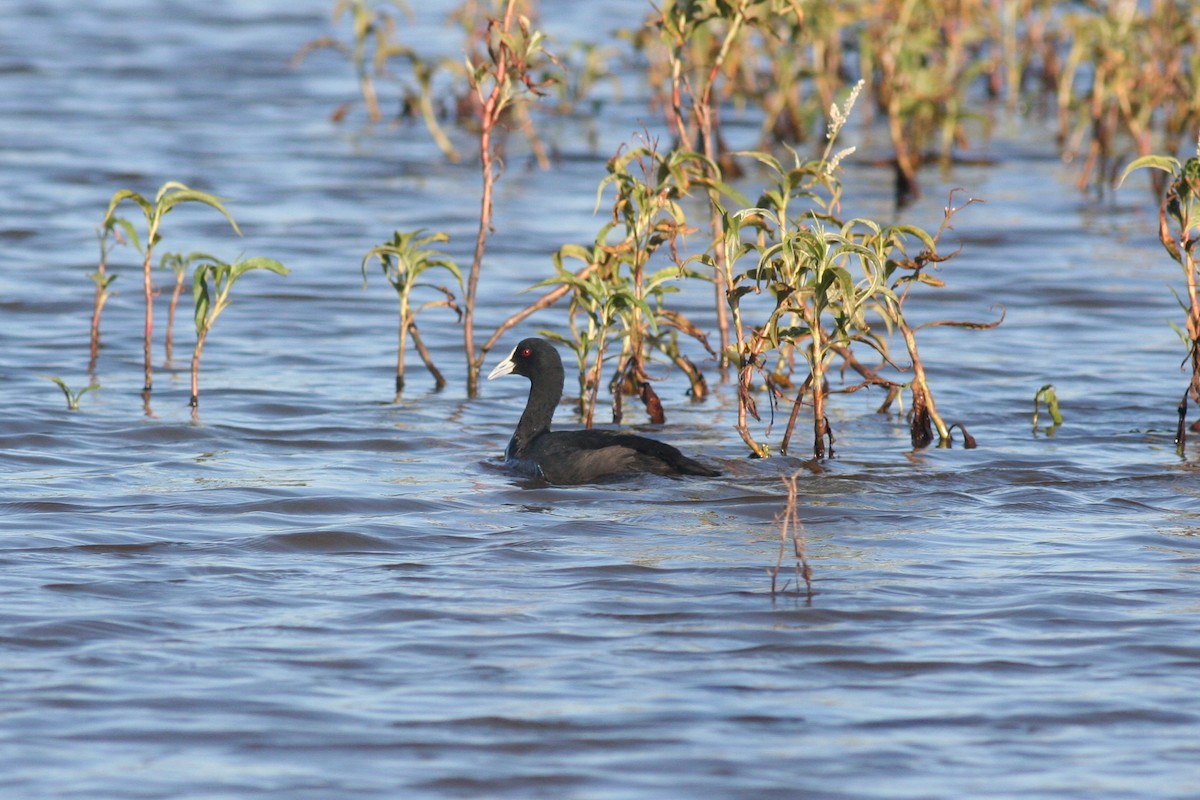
489	115
439	380
148	288
195	401
101	298
545	301
171	315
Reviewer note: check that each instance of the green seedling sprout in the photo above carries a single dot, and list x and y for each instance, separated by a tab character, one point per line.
170	195
212	281
72	396
1050	397
404	260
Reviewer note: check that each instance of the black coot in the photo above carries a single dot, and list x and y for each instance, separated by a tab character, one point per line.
582	456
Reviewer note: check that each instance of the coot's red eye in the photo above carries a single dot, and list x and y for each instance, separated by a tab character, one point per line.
526	352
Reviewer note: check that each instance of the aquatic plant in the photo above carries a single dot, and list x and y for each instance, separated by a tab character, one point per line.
372	41
701	39
169	196
598	301
373	44
584	66
922	59
802	268
1050	396
818	285
71	395
212	281
821	280
903	273
1129	71
623	300
1179	232
787	58
561	289
178	263
404	260
515	66
801	62
107	236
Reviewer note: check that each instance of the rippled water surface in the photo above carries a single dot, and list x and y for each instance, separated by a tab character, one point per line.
312	592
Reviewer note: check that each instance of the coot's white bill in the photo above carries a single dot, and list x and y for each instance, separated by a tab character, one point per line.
505	367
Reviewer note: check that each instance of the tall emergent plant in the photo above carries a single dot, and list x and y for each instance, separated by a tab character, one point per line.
170	195
404	260
903	272
623	299
923	59
211	284
515	67
702	38
822	281
801	266
815	287
1179	232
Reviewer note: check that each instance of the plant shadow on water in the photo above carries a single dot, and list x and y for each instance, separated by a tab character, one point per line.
313	591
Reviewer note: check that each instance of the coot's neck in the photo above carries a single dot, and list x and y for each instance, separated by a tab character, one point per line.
545	390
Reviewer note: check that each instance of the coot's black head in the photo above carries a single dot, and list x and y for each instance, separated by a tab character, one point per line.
531	358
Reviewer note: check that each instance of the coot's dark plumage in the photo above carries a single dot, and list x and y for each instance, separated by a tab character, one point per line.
581	456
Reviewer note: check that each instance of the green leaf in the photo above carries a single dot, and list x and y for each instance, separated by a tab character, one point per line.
202	296
1047	394
72	397
130	232
102	279
919	233
183	194
449	266
128	194
726	190
1168	164
766	159
61	383
575	251
258	262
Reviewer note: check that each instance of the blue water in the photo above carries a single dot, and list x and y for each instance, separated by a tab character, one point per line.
308	591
